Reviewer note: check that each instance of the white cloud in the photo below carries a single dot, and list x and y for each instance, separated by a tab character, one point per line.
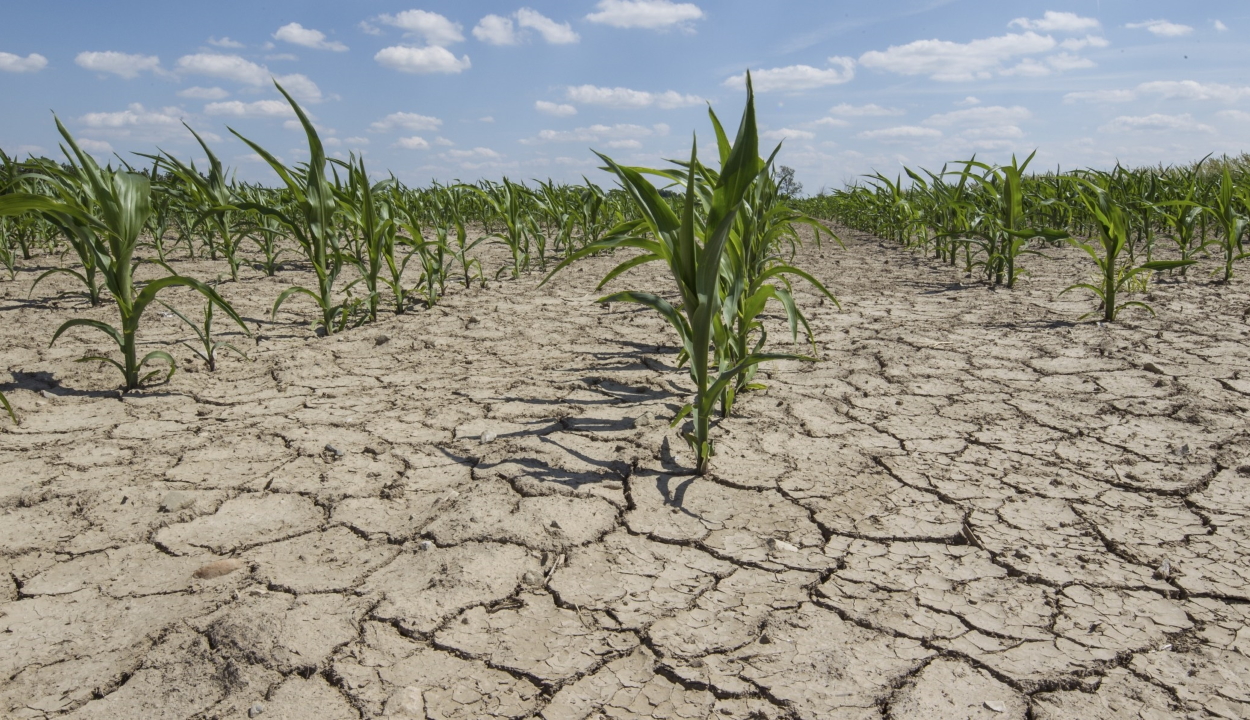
981	116
432	27
258	108
1075	44
94	146
969	101
1053	21
495	30
475	153
443	142
369	28
598	133
794	78
225	42
122	64
33	62
901	133
300	86
1100	96
230	67
1219	26
356	140
952	61
625	145
870	110
297	34
620	97
1067	61
831	122
1027	67
1237	115
1191	90
1162	28
203	93
552	31
646	14
1156	123
423	61
993	131
486	119
134	116
282	56
556	109
413	143
787	134
406	121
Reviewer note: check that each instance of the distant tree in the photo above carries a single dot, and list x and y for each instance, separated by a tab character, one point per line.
787	186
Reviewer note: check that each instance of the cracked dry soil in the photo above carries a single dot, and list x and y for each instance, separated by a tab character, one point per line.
973	507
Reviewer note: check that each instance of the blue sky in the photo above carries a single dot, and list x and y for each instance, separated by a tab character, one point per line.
447	90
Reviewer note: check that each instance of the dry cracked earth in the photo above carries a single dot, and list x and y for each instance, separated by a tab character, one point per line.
972	507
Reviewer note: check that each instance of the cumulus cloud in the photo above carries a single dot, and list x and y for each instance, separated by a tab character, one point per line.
787	134
435	29
620	97
1075	44
297	34
599	133
552	32
900	134
870	110
135	115
794	78
951	61
556	109
422	61
233	67
256	109
831	122
1168	90
1053	21
406	121
646	14
495	30
33	62
121	64
476	153
203	93
1219	26
1192	90
94	146
413	143
1162	28
1157	122
988	115
225	42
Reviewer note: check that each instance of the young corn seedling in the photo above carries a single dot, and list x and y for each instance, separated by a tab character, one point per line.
1232	224
693	247
207	348
115	207
313	225
507	203
1113	238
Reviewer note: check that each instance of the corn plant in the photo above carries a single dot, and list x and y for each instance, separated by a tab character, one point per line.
1232	223
115	207
207	348
1114	274
9	408
313	225
506	202
693	247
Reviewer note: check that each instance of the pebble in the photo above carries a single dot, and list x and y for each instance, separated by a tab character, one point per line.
47	394
488	436
996	706
781	546
333	450
1152	368
645	420
532	578
381	340
255	709
426	546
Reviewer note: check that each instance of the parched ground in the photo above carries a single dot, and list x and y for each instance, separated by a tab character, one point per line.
973	507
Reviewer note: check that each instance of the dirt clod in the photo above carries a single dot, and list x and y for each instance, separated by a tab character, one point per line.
218	568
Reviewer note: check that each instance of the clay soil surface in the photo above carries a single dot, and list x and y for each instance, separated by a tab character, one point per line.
973	507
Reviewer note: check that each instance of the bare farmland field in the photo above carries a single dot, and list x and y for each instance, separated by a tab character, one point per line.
972	506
